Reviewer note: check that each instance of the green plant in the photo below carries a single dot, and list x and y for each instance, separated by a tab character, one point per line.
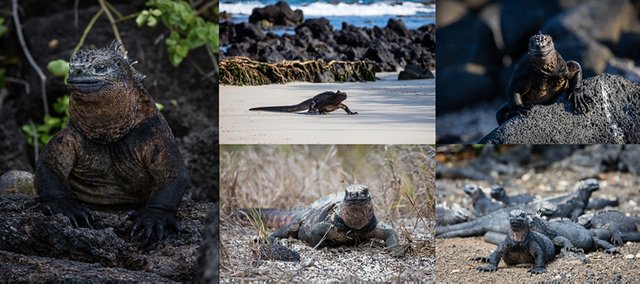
3	29
50	125
187	30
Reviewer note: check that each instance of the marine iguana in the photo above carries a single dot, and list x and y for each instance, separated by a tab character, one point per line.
481	203
522	245
566	235
322	103
116	149
540	78
614	226
337	220
499	193
564	205
446	216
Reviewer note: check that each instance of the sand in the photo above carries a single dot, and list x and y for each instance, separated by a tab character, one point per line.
389	112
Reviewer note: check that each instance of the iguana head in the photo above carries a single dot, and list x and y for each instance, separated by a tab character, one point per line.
498	192
519	221
588	186
356	209
107	99
339	97
474	191
540	45
93	70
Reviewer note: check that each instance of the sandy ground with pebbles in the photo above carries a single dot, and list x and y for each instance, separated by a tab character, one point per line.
389	112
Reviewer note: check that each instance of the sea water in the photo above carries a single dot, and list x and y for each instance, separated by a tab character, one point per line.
366	13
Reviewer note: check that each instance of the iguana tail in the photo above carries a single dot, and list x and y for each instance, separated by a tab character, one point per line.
272	218
294	108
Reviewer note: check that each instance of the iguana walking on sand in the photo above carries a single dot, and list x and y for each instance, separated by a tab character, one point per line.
116	149
320	104
334	221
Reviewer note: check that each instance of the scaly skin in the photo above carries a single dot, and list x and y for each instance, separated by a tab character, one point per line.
522	245
540	78
116	149
446	216
334	221
570	236
320	104
499	193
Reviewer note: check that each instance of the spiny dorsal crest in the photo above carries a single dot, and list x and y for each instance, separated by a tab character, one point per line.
85	58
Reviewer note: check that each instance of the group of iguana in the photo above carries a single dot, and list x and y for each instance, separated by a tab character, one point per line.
518	226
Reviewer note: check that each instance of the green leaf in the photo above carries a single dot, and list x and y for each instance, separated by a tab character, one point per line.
152	21
3	29
156	12
159	106
58	67
142	18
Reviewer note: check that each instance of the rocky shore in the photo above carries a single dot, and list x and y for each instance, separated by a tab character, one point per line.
390	48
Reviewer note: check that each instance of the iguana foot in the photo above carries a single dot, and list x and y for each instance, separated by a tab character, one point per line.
79	215
612	251
480	259
487	268
152	223
537	270
580	101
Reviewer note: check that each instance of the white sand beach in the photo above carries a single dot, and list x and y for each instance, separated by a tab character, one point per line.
389	112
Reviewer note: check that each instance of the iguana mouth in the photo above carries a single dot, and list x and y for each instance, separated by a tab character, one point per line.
590	184
85	84
470	189
518	219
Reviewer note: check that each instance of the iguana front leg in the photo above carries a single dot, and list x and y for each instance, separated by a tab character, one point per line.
576	95
313	108
386	233
346	108
286	231
320	233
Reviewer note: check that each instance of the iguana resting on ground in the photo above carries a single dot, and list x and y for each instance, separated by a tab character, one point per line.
320	104
446	216
614	226
522	245
499	193
334	221
481	203
116	149
565	235
498	221
540	78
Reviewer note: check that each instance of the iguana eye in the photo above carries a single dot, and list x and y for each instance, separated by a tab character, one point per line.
101	68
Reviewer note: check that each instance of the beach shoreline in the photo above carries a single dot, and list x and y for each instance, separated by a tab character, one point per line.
389	112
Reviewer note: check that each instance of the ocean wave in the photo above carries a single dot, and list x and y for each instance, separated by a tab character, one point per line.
320	9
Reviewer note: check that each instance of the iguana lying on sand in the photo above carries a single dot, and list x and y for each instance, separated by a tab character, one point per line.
320	104
614	226
334	221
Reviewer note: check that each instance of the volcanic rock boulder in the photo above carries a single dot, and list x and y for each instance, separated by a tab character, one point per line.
612	118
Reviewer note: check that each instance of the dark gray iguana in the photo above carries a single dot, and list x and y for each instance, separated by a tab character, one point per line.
481	203
565	234
446	216
566	205
540	78
320	104
337	220
614	226
522	245
499	193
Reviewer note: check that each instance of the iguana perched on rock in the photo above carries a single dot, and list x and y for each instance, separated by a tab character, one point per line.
614	226
337	220
564	205
540	78
522	245
116	149
320	104
481	203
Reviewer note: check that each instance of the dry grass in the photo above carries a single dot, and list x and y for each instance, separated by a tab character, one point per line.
402	182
